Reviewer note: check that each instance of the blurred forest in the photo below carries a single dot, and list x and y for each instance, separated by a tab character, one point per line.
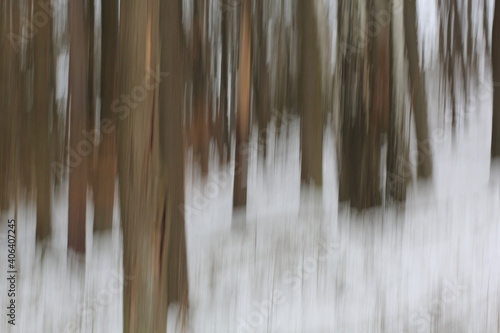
114	98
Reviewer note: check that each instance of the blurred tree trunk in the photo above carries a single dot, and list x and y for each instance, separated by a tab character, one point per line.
26	126
151	185
418	91
173	55
105	176
200	122
42	109
311	134
80	146
495	57
5	136
243	111
361	118
261	76
224	93
92	125
398	167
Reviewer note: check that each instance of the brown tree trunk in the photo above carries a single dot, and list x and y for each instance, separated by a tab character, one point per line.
261	78
398	167
151	163
172	149
225	137
243	111
42	108
495	57
5	49
361	118
105	176
80	146
418	92
311	136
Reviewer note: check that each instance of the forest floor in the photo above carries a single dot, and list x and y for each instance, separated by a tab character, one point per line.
301	263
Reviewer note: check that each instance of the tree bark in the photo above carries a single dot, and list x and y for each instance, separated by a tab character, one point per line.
42	108
151	163
243	111
261	77
311	136
224	93
105	176
418	92
495	57
361	118
80	146
173	53
399	170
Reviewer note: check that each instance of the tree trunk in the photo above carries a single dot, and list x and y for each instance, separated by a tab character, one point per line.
80	146
261	77
495	59
418	91
104	187
42	109
243	111
224	93
311	134
172	149
153	232
362	118
398	167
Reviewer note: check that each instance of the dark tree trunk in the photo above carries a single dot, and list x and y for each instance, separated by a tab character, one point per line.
261	77
80	146
418	92
243	109
398	167
105	176
495	59
172	150
361	119
311	136
41	110
224	94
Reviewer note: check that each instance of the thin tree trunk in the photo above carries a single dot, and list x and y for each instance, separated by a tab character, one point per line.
398	167
91	93
261	77
224	93
80	146
311	136
201	122
4	125
243	111
104	187
42	108
418	91
495	57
